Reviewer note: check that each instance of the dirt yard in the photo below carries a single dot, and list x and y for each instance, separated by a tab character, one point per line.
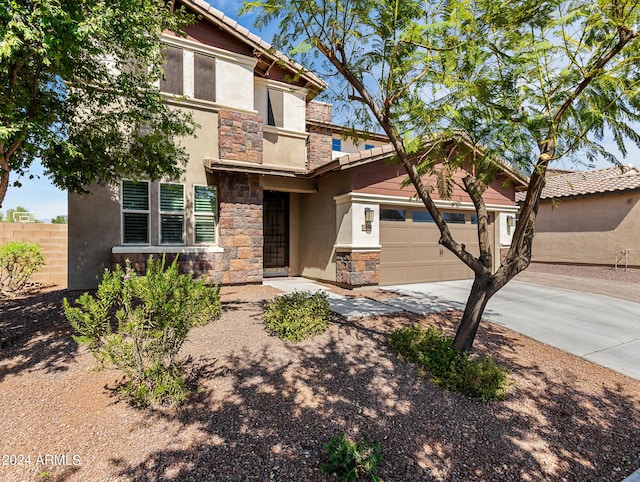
263	408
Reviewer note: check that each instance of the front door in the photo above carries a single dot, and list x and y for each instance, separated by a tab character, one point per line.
276	233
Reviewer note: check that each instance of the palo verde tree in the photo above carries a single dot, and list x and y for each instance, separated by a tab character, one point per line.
78	91
524	82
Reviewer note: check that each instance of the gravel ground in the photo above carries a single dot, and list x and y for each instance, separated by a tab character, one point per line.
264	408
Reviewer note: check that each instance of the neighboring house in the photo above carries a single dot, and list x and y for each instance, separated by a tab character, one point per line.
589	217
263	194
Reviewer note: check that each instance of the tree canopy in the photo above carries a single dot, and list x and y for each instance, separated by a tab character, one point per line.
79	91
524	82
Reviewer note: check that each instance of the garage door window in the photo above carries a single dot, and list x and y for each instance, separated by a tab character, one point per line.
422	217
454	218
392	215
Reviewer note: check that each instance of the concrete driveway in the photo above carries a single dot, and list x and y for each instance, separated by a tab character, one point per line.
599	328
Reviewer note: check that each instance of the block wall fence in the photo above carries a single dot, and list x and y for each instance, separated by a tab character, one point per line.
52	238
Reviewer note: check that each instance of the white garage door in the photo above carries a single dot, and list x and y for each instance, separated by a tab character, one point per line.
410	250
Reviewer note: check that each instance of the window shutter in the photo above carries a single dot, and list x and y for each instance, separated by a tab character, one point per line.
171	213
205	209
204	77
135	196
171	197
172	80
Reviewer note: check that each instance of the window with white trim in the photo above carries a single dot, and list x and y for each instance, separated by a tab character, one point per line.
135	212
171	213
204	208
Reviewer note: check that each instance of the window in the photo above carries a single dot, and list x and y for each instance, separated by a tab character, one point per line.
204	86
368	146
135	212
172	82
171	213
275	107
454	218
336	145
474	218
392	215
422	217
204	203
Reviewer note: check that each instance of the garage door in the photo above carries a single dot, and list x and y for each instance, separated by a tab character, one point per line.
410	251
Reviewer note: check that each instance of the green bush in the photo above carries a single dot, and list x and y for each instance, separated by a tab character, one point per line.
139	323
479	378
351	460
18	262
297	315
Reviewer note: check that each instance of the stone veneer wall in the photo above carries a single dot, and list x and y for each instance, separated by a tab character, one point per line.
240	227
319	144
240	235
358	268
240	136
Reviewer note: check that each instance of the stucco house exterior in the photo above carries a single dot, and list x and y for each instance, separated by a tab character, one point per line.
271	188
589	217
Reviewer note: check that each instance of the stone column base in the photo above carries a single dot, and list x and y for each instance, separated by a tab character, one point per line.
357	268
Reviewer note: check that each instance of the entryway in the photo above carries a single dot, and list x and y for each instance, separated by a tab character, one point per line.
275	223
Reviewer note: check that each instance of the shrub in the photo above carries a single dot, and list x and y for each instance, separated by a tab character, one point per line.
479	378
139	323
298	315
351	460
18	262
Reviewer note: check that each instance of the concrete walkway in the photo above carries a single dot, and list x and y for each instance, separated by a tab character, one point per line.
599	328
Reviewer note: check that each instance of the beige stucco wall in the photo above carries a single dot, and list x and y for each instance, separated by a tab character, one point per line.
588	230
318	228
95	222
282	149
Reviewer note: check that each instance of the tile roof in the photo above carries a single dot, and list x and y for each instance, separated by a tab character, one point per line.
578	183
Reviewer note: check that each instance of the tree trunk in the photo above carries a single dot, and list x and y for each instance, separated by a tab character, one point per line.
484	287
4	178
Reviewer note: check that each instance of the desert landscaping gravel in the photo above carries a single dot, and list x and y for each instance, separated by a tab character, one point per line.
263	408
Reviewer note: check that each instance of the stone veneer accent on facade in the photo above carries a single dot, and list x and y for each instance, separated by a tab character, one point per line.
240	136
319	143
239	234
358	268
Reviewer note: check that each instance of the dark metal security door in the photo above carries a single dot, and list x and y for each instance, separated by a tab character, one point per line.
276	233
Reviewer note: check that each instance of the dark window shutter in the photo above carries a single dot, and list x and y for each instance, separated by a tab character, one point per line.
204	77
172	81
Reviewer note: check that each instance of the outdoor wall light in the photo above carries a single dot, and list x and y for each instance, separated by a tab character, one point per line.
511	223
368	215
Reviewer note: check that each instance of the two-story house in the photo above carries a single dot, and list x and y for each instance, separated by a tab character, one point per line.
271	188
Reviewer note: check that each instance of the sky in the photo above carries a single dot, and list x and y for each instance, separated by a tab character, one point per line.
41	197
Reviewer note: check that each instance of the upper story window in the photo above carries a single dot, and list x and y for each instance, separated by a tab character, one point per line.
135	212
171	213
189	73
336	145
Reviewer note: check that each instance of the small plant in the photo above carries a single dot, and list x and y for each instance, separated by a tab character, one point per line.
298	315
352	460
479	378
18	262
139	323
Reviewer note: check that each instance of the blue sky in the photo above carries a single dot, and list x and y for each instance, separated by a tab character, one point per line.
38	195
